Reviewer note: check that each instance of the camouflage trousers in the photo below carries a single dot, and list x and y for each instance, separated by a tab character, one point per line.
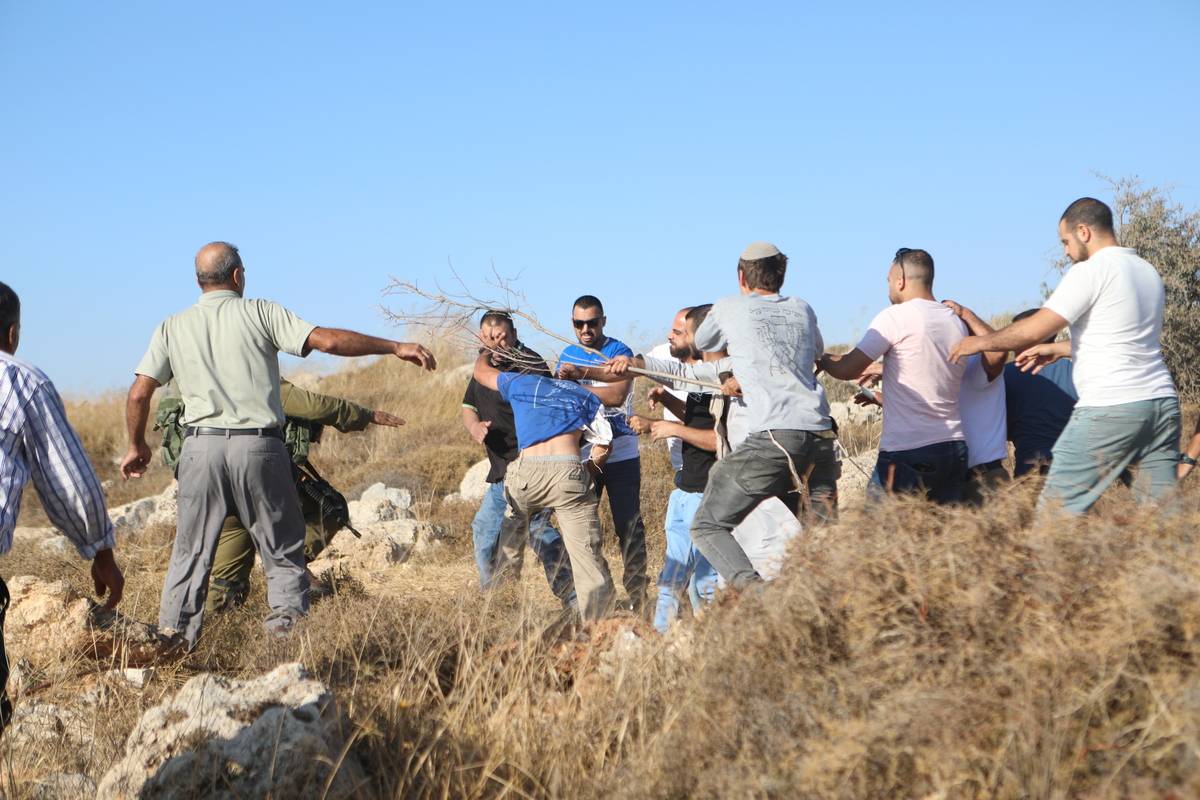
229	581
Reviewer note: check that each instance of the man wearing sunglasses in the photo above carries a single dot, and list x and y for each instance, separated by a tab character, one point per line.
622	475
923	447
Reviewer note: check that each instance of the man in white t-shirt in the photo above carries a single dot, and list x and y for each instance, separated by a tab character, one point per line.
923	447
1128	409
984	413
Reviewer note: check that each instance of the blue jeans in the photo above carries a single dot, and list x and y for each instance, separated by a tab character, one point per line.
683	562
545	541
937	470
1100	442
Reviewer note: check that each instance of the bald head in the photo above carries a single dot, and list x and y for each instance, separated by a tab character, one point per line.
215	265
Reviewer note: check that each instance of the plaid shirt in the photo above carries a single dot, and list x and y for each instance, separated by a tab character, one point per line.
37	442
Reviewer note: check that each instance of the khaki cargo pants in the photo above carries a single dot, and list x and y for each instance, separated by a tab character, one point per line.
561	483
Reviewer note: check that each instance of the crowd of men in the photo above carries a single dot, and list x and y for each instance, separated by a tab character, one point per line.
751	428
753	443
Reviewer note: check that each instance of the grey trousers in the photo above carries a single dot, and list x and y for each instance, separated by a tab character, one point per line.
756	470
249	476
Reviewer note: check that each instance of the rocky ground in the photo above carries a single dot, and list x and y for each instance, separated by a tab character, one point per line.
281	731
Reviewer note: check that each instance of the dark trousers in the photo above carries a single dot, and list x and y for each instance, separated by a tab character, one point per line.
759	468
6	708
623	481
938	470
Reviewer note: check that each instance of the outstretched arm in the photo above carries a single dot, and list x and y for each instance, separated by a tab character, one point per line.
339	342
1035	358
612	394
324	409
847	366
993	360
698	437
1017	336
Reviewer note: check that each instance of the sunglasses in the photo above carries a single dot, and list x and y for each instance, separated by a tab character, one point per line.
899	257
580	324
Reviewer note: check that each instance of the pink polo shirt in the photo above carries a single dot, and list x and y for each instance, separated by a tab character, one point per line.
920	385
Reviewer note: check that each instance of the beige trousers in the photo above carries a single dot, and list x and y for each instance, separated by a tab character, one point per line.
563	484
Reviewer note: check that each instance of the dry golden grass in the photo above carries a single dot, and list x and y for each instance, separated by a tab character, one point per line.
908	652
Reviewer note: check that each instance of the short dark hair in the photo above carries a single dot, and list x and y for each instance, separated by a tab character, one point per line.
589	301
764	273
1029	312
227	260
10	308
698	313
919	261
496	317
1091	212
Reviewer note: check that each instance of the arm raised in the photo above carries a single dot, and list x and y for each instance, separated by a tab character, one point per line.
340	342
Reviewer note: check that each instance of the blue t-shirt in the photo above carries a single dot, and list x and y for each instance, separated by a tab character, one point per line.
1038	409
625	444
546	407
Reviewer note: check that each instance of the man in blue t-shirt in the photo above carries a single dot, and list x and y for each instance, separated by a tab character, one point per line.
622	477
489	420
552	417
1039	407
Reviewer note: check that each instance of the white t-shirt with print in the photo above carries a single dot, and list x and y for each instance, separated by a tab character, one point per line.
984	414
1114	304
920	385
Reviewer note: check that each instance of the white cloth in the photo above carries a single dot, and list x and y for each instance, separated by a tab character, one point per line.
984	414
764	535
599	431
1114	304
920	385
674	443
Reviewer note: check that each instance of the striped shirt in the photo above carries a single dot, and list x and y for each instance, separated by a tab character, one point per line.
37	442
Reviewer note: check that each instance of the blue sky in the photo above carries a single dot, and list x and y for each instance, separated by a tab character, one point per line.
623	150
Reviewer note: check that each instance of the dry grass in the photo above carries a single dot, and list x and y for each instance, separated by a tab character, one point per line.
911	652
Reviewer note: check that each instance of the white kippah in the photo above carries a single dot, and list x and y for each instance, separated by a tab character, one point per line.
758	250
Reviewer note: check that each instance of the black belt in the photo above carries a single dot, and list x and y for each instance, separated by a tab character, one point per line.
274	433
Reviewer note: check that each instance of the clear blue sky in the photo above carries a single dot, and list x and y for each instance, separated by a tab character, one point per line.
625	150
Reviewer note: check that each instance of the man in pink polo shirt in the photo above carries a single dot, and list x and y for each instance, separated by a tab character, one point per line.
923	448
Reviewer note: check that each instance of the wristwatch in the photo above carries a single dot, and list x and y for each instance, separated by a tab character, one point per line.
1184	458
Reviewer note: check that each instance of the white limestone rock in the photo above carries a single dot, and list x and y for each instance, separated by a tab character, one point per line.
474	484
277	735
159	509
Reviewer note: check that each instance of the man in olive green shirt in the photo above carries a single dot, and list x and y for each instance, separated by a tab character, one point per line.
223	353
230	580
